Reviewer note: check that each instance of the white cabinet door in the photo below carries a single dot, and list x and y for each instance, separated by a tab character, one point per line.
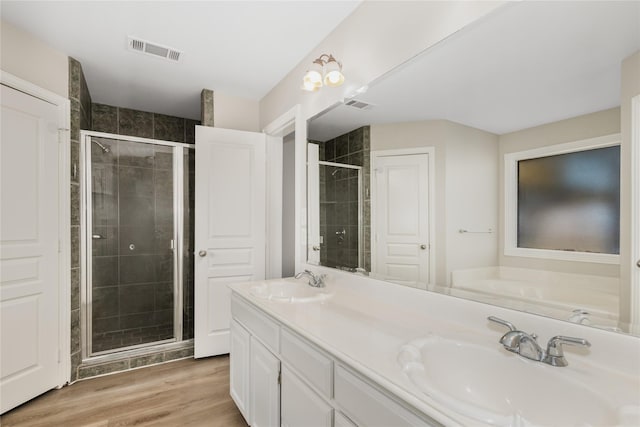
342	421
239	368
229	227
29	236
401	229
301	406
265	388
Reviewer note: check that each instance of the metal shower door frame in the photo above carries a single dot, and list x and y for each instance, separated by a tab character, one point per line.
86	241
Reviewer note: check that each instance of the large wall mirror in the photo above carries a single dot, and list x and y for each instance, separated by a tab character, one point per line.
488	167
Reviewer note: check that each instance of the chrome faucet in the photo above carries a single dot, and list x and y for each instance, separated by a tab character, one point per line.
579	316
317	281
526	345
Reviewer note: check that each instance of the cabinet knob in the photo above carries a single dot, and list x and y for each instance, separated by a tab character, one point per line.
202	253
423	246
316	248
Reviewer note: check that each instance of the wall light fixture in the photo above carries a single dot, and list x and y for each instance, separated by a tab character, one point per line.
324	70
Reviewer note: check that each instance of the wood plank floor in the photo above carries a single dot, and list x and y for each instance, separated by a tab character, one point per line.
181	393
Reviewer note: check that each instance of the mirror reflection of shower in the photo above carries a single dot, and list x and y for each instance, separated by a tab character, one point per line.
341	243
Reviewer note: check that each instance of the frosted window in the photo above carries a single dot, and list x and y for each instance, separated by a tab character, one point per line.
570	202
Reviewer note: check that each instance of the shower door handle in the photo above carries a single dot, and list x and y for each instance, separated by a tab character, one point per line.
202	253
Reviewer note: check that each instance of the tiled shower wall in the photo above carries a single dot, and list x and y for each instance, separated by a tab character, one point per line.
105	118
339	199
80	100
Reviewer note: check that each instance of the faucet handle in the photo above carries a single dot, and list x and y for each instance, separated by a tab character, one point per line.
555	355
509	325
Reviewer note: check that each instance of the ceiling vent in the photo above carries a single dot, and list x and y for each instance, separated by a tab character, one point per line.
154	49
360	105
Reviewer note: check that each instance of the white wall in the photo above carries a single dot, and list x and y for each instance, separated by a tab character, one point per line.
232	112
374	39
601	123
288	207
27	57
466	174
471	197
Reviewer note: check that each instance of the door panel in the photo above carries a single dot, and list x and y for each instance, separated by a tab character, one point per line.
29	289
265	389
401	229
301	406
240	367
230	227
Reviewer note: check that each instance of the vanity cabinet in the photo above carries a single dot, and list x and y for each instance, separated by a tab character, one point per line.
278	378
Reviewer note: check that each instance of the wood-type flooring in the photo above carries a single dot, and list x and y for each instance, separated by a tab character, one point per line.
186	392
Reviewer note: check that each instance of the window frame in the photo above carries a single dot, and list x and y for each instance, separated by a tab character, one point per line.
511	200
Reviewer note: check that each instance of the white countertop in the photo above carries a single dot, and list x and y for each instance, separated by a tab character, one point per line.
365	330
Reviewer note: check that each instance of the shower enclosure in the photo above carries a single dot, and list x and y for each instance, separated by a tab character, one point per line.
137	243
341	231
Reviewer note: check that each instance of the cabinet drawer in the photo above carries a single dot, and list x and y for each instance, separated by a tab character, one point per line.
258	324
312	364
367	406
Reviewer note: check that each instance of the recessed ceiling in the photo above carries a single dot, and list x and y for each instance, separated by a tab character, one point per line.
526	64
240	48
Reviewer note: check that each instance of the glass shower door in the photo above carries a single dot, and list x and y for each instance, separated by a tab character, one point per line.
131	286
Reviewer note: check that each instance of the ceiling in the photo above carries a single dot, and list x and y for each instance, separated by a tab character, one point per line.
239	48
526	64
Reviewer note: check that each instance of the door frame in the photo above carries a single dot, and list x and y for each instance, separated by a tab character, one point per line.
431	152
290	121
634	291
63	106
86	242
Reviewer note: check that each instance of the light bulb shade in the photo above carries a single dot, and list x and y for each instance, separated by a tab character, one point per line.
313	77
310	86
312	80
333	76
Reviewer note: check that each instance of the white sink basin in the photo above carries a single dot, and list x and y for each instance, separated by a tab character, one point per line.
289	291
501	388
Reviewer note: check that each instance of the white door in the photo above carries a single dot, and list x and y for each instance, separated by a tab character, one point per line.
265	387
400	246
229	227
29	234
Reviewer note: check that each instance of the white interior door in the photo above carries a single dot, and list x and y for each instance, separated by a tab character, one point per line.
401	230
29	242
230	227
